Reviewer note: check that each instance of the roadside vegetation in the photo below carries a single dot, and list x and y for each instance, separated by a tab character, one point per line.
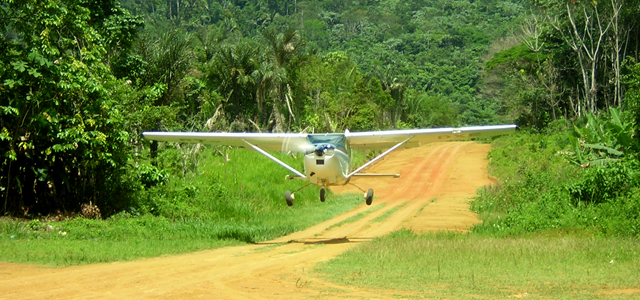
581	177
218	203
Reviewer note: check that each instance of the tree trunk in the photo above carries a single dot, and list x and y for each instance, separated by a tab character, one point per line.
7	188
588	48
617	48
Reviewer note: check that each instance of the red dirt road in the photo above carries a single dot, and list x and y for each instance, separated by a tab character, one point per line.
437	182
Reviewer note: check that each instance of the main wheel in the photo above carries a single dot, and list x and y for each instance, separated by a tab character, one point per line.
289	197
322	194
369	197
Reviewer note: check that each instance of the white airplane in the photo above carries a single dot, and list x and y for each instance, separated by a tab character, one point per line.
327	156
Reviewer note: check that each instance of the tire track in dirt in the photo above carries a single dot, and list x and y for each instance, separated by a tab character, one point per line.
423	180
283	268
398	195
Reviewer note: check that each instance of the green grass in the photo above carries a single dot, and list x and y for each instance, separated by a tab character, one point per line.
389	213
217	204
467	266
66	252
127	238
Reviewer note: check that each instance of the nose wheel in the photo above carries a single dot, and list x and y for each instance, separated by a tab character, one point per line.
322	194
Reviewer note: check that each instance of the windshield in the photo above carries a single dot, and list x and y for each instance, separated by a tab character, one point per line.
337	140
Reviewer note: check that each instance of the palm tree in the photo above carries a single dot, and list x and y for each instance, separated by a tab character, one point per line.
232	72
266	76
282	58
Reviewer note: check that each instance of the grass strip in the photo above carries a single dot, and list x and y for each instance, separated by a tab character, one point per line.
119	238
357	216
389	213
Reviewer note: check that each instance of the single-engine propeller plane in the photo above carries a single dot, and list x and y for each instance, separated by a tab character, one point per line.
327	156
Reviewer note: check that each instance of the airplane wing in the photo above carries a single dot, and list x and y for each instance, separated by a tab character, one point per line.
388	138
358	140
266	141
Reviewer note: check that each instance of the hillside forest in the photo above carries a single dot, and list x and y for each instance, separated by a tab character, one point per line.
80	80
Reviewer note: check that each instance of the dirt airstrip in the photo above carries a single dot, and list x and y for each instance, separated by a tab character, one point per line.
437	181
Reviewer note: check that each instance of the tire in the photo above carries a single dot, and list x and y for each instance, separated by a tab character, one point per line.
369	197
289	197
322	194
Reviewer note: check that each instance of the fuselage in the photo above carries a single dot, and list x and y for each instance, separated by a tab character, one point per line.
329	162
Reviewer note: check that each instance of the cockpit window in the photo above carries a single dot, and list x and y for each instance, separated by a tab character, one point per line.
337	140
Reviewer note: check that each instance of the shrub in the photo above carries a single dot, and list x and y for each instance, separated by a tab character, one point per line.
604	183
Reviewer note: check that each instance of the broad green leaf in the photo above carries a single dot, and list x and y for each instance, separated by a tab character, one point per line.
33	72
20	66
10	83
602	161
604	148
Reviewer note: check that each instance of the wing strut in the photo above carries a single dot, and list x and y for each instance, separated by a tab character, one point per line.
379	157
275	159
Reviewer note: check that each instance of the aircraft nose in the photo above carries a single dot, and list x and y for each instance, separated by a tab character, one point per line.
320	149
